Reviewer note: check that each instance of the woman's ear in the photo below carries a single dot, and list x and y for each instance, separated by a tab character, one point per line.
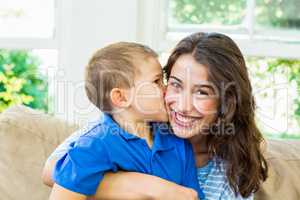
119	98
229	108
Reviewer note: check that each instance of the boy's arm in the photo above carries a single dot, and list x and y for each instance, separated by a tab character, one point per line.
83	167
60	193
59	152
128	185
48	170
123	181
132	185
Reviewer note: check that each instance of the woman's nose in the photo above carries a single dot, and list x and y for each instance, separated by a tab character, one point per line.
185	103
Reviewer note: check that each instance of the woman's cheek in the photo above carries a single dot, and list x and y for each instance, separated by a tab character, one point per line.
208	106
169	97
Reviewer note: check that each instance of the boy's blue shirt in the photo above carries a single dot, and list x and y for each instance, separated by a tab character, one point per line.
107	147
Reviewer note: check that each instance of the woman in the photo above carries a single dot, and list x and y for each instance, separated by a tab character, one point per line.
209	101
209	89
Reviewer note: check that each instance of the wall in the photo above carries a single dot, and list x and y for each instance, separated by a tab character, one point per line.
86	26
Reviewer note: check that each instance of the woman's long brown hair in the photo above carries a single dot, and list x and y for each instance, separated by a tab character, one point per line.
240	149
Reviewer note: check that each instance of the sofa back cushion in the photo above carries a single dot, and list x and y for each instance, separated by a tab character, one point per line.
27	137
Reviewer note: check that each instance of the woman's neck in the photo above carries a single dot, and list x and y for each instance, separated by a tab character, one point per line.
200	149
199	143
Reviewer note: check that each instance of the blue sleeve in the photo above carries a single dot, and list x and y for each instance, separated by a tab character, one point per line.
83	167
63	148
190	177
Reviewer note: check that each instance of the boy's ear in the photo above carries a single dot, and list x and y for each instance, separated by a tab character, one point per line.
119	97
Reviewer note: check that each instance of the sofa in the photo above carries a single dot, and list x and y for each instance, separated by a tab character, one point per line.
28	136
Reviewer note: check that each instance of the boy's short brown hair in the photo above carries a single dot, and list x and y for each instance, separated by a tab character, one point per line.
113	66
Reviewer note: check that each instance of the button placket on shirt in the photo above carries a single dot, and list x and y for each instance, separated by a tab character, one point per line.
148	151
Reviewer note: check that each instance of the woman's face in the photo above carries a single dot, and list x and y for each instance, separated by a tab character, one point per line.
191	100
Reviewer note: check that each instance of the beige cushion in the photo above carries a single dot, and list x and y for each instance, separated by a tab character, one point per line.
283	182
27	137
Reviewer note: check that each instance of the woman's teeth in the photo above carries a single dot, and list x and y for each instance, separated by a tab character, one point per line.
183	118
184	121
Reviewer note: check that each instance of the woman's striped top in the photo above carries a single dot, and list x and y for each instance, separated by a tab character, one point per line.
212	179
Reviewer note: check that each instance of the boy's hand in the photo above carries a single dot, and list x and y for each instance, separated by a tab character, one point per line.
177	192
189	194
172	191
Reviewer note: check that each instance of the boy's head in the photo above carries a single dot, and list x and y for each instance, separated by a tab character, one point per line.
126	77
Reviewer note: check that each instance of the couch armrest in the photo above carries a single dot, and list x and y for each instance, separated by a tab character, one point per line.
283	157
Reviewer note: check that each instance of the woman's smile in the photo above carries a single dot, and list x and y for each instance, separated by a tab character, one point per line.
183	121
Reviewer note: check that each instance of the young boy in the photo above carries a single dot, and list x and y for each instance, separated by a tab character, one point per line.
124	80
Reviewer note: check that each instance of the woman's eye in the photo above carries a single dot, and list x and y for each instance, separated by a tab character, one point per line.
174	84
201	92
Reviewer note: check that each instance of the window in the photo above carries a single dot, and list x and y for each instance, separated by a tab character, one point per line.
29	43
30	19
276	84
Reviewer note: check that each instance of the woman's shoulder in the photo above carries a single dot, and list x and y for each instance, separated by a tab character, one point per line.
212	178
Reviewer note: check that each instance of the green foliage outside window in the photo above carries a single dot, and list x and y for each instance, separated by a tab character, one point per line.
293	67
262	72
225	12
20	80
268	13
278	13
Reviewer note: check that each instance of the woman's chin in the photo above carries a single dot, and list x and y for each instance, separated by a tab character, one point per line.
182	132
